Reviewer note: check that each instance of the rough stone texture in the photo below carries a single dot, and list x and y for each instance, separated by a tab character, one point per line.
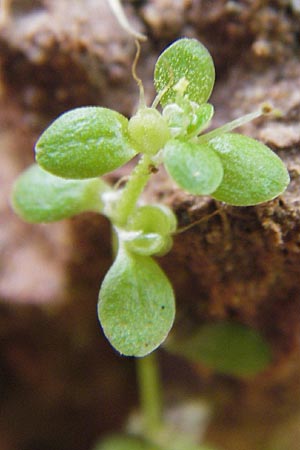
61	384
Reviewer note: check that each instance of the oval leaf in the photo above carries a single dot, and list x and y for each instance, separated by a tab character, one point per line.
252	172
85	143
136	305
197	169
39	196
229	348
185	59
153	219
148	131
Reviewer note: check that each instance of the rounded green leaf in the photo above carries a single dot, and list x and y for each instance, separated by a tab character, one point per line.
39	196
187	119
148	131
153	219
146	243
85	143
186	59
149	230
195	168
136	304
229	348
252	172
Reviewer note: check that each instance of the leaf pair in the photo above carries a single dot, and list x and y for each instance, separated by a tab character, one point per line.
136	301
232	168
136	304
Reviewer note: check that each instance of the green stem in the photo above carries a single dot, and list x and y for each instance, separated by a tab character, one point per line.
230	126
132	191
150	393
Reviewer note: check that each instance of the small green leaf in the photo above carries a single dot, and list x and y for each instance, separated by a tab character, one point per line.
149	230
145	243
148	131
136	304
252	172
229	348
186	59
125	443
187	119
201	120
197	169
39	196
153	219
85	143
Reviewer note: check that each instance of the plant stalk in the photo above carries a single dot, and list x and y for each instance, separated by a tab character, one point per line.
132	191
150	393
118	10
230	126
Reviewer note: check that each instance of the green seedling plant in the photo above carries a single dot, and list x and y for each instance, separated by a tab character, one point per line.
136	300
136	306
